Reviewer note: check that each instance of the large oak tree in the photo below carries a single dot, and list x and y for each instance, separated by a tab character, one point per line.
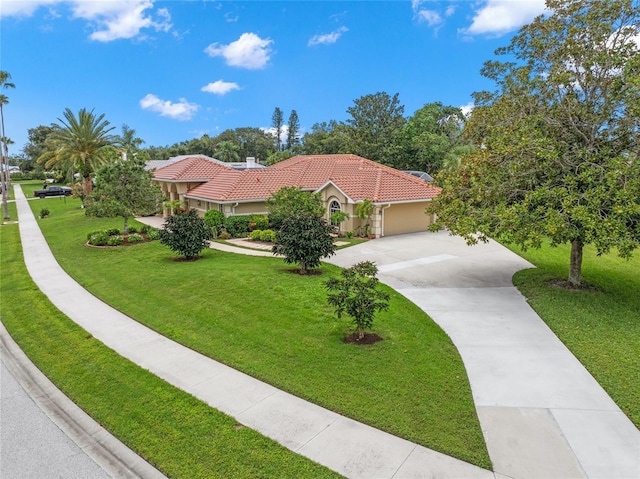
559	137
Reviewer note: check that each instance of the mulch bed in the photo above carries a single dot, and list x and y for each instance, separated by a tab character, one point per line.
369	338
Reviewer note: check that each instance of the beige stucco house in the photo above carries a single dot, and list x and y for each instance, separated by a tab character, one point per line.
399	199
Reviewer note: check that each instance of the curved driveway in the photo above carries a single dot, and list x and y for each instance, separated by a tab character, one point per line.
543	415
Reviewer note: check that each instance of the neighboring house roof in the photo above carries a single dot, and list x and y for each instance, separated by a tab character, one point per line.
357	177
191	168
238	165
420	174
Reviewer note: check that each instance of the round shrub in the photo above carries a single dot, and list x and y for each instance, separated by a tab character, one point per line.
44	212
224	235
132	229
268	236
152	234
134	238
144	228
256	235
99	238
115	240
112	231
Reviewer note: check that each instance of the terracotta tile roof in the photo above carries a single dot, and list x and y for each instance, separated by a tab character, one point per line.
196	167
357	177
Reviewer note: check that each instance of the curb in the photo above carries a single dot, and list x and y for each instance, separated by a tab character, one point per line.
115	458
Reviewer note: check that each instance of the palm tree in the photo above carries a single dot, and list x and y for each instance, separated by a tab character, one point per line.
82	143
4	151
227	151
128	143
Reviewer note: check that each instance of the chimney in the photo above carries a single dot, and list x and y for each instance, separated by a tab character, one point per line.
251	162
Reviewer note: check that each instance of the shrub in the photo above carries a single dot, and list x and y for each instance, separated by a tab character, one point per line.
92	233
112	232
256	235
185	233
115	240
44	212
268	236
258	222
152	234
237	226
349	234
224	235
214	220
134	238
99	238
144	228
304	239
133	229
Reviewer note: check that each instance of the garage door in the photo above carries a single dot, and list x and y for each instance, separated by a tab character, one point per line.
406	218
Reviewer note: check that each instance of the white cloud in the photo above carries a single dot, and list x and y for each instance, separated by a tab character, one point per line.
249	51
497	17
111	20
183	110
431	17
467	109
220	87
121	18
22	8
284	132
327	38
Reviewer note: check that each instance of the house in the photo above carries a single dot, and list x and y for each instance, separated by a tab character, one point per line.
399	198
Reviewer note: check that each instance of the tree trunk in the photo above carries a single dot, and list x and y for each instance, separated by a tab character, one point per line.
575	266
87	186
125	228
360	333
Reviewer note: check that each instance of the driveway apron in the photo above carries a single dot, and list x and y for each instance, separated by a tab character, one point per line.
542	414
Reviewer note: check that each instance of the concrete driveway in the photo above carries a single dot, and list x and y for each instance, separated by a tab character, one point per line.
543	415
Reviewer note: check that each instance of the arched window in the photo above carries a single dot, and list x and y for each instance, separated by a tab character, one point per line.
333	207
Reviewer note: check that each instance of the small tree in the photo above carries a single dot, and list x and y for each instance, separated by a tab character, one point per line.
337	218
124	189
291	200
357	294
185	233
363	211
304	239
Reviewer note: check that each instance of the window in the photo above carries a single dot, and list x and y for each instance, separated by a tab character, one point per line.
334	206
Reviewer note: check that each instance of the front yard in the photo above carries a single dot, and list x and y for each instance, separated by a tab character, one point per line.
254	315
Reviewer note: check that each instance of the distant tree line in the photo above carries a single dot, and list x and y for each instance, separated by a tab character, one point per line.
375	129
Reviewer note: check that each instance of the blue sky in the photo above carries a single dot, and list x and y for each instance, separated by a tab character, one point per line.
176	70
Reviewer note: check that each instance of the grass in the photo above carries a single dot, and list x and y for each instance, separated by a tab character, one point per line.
600	325
255	315
178	434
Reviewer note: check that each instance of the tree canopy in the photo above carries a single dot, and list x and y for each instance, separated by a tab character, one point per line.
124	189
559	137
375	122
291	200
304	239
80	143
431	139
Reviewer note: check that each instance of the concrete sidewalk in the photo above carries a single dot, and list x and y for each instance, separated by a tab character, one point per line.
343	445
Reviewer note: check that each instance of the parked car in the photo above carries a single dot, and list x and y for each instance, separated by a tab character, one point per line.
53	191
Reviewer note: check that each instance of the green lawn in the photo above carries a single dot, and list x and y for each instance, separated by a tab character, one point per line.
175	432
255	315
601	326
